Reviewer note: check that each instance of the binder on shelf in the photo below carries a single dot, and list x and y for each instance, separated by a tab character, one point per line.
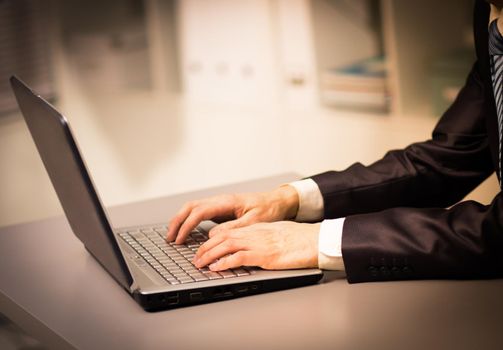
360	85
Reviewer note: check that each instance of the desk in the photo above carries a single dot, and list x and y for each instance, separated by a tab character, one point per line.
51	287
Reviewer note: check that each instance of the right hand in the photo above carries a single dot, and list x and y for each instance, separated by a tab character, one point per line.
242	210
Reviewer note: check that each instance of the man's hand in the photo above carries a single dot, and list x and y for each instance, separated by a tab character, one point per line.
244	209
278	245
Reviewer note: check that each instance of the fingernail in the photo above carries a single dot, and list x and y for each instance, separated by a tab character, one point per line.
196	262
213	267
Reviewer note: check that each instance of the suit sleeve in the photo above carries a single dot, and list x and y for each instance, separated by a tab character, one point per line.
438	172
465	241
396	225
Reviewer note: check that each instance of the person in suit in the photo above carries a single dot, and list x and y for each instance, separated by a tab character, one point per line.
400	217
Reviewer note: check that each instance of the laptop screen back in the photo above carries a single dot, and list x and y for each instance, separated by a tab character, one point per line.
71	180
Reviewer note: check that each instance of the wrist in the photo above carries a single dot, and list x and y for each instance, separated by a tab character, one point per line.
314	230
288	198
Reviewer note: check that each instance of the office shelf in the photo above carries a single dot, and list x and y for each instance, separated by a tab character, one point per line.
411	36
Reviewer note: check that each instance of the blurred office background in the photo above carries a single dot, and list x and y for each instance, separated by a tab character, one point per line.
170	96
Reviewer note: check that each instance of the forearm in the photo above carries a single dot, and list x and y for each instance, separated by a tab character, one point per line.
435	173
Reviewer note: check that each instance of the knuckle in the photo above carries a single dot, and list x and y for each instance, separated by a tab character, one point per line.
183	225
187	206
197	213
223	226
197	208
239	258
214	233
229	244
191	222
231	234
211	255
238	234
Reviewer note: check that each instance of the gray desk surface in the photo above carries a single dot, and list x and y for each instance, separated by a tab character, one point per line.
55	290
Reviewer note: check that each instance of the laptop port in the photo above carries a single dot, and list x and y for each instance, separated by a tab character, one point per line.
196	296
218	292
242	289
173	299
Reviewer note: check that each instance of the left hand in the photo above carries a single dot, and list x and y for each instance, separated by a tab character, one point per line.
272	246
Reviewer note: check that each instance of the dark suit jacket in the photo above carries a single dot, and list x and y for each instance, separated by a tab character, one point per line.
397	226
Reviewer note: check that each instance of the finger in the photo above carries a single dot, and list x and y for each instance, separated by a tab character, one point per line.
178	220
240	258
243	221
195	217
209	244
227	246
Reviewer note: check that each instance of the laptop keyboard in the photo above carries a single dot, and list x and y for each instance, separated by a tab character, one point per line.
174	261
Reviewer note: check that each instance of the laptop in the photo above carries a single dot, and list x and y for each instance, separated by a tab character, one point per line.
157	274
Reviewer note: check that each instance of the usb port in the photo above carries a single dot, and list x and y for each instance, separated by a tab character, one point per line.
242	289
196	296
173	300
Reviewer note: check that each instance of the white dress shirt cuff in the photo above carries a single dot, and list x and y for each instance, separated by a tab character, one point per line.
330	245
310	201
